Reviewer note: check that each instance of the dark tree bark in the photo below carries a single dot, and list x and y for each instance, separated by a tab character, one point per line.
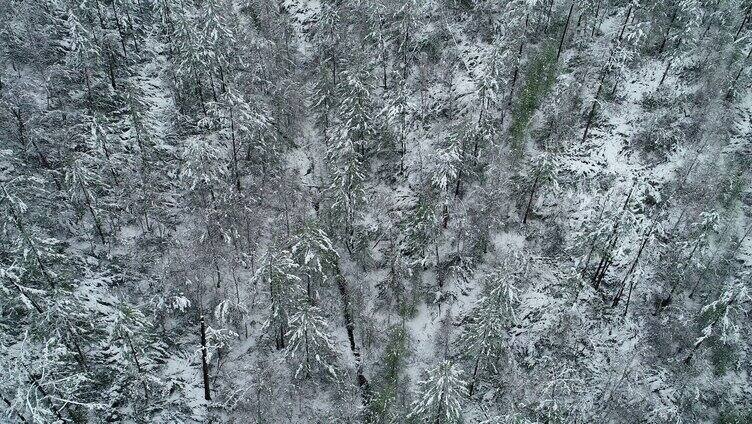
595	21
516	71
138	367
668	31
744	21
530	200
350	328
617	298
234	151
204	363
564	33
663	77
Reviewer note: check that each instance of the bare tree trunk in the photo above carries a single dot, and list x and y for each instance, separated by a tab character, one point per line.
94	215
350	328
133	32
738	74
617	298
592	242
668	31
663	78
18	414
530	201
516	68
591	114
595	22
44	393
665	302
111	70
624	25
564	33
744	21
120	31
138	367
234	151
204	363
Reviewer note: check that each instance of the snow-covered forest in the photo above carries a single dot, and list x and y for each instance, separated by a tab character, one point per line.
376	211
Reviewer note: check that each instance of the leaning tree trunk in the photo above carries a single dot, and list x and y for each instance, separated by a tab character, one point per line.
564	33
516	70
350	328
668	32
530	201
604	72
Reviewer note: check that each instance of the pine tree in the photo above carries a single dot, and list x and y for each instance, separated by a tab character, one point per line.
398	116
84	185
440	397
191	57
388	399
355	112
347	188
314	252
446	175
310	343
278	273
484	335
205	170
218	37
419	228
543	175
249	129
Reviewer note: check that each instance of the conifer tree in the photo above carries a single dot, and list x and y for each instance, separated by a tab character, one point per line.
440	397
277	274
310	344
487	324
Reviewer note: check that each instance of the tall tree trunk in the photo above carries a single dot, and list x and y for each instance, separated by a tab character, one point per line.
730	93
617	298
744	21
591	114
350	328
668	31
111	70
138	367
530	201
595	21
88	200
674	285
234	151
564	33
38	386
624	25
663	77
516	68
18	414
204	363
120	31
592	242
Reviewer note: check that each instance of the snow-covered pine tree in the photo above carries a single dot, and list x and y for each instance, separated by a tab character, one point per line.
310	343
347	189
484	336
314	252
441	395
278	276
543	176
